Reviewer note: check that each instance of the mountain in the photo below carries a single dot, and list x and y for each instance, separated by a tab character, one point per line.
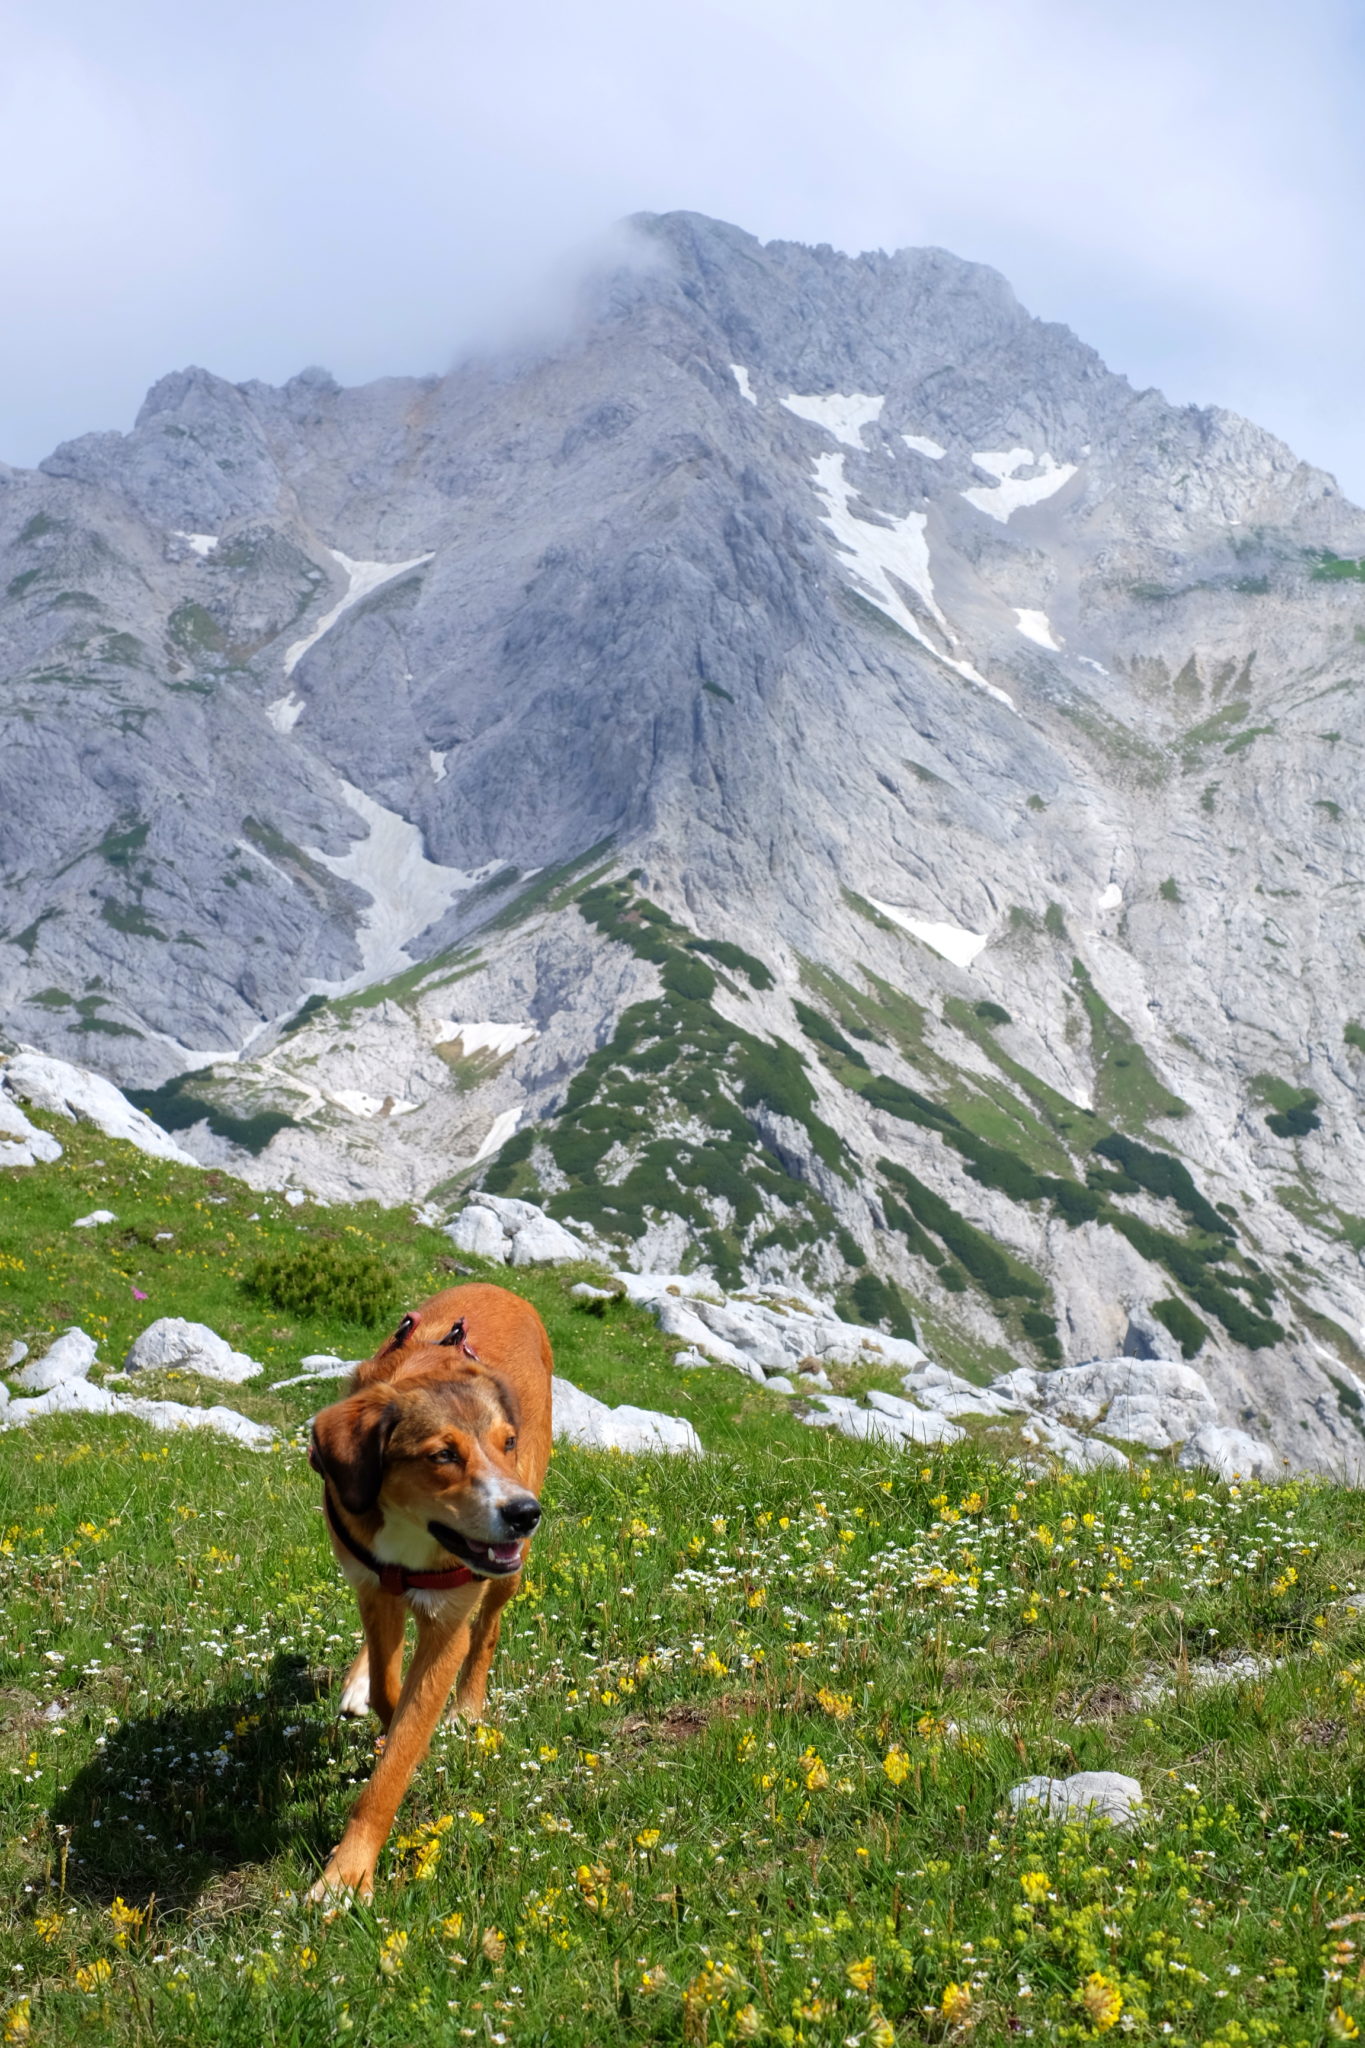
812	776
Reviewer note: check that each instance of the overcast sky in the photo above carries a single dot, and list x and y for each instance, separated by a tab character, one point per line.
273	183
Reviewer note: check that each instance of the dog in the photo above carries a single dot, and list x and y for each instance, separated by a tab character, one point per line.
432	1467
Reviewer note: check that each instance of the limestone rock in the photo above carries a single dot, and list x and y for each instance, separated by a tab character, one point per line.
23	1143
580	1418
1232	1454
477	1229
83	1097
173	1345
543	1242
69	1358
1085	1795
94	1219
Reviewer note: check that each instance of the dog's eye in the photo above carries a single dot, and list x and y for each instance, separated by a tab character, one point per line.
510	1446
447	1455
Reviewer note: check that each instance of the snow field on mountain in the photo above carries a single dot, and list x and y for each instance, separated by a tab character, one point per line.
843	414
1011	492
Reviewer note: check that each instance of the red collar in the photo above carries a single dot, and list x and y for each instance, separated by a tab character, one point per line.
395	1578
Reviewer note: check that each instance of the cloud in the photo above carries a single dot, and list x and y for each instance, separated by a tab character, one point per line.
257	188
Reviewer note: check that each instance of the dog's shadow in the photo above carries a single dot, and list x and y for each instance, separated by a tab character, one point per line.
177	1801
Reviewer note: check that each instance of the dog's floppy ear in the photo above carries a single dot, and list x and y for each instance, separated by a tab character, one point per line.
348	1446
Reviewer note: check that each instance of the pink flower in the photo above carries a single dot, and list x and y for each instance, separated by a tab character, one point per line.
138	1294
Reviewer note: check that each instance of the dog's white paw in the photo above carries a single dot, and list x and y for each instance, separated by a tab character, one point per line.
355	1697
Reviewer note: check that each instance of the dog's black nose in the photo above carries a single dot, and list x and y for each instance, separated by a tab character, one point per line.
521	1516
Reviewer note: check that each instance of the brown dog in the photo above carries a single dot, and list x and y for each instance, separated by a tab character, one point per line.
432	1465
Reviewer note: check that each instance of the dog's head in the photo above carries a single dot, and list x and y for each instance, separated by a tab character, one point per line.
437	1450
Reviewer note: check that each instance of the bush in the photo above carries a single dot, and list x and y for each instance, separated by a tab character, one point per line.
1165	1177
992	1013
850	1250
906	1103
319	1278
689	978
1073	1203
881	1306
735	958
997	1168
817	1026
985	1262
1183	1324
1298	1120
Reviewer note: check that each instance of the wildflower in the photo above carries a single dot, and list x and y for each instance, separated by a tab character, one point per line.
127	1920
1102	2000
547	1756
494	1944
393	1952
896	1764
306	1958
956	2004
880	2032
1341	2026
748	2023
17	2021
718	1524
593	1880
647	1838
758	1596
838	1704
453	1926
94	1976
488	1739
712	1665
653	1980
817	1776
860	1975
49	1926
1035	1885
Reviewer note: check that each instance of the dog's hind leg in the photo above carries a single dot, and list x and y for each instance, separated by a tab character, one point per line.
485	1627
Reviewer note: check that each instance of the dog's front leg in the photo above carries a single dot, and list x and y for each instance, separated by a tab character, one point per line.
377	1673
435	1662
483	1641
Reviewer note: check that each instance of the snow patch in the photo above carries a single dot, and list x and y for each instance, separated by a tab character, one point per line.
499	1132
357	1104
407	891
1109	897
361	579
843	414
202	543
955	944
495	1038
1098	666
741	377
880	552
438	763
1037	627
1012	492
922	445
285	712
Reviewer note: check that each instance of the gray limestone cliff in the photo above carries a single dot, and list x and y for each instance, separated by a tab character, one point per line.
812	776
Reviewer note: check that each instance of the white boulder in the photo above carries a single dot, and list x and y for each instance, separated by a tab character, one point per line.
83	1097
21	1142
173	1415
476	1229
94	1219
67	1397
70	1358
1085	1795
1148	1401
1081	1453
543	1242
173	1345
1232	1454
887	1420
579	1418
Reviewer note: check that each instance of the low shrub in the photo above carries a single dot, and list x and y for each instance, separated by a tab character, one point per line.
320	1278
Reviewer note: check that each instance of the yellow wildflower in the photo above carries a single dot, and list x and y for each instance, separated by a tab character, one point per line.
839	1704
17	2021
758	1596
94	1976
748	2023
392	1953
1035	1885
488	1739
653	1980
494	1944
647	1838
1341	2026
49	1926
712	1665
956	2004
453	1926
817	1776
306	1958
1102	2000
896	1764
860	1975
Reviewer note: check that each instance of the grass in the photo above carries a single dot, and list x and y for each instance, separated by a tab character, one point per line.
752	1732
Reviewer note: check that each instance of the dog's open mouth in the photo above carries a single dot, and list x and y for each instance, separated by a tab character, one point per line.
494	1560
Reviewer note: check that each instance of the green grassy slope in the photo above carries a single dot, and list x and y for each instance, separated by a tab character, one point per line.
753	1725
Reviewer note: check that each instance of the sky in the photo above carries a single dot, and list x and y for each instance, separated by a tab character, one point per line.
377	188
